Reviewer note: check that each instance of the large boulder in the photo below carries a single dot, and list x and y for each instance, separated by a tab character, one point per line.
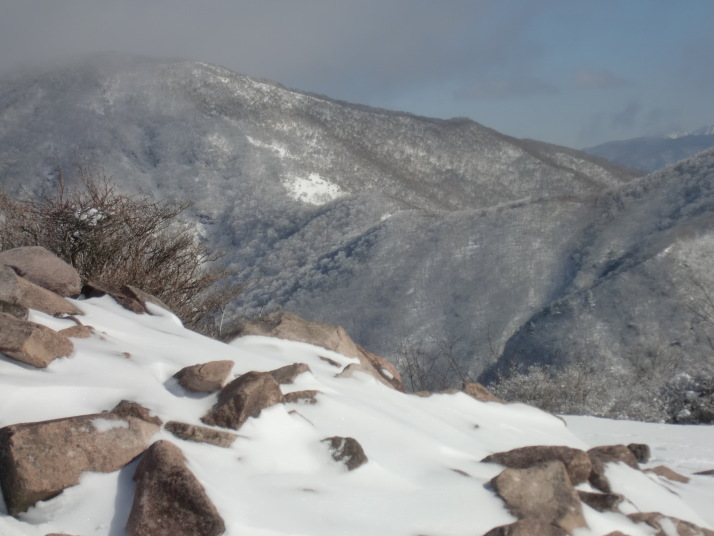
284	325
43	268
577	462
205	377
31	343
17	290
601	456
542	492
244	397
169	500
38	460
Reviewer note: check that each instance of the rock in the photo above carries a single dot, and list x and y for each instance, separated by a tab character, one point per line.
479	392
169	500
14	309
206	377
667	473
542	492
329	361
38	265
143	297
576	461
527	527
284	325
31	343
600	456
19	291
602	502
308	396
77	332
346	450
126	408
288	373
641	452
243	398
97	289
663	524
708	472
38	460
200	434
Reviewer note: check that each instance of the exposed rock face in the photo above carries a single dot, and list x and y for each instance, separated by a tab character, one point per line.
284	325
97	289
668	473
126	408
600	456
479	392
641	452
576	461
31	343
307	396
169	500
244	397
663	525
542	492
39	460
288	373
602	502
346	450
19	291
527	527
206	377
14	309
43	268
200	434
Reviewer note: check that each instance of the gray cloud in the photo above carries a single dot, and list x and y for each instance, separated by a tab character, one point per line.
596	79
627	117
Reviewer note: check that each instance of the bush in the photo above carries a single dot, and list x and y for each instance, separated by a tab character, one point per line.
123	239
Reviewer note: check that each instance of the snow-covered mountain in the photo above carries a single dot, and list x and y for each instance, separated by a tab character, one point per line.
655	152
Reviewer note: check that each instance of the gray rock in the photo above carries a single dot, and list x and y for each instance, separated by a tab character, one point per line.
669	474
31	343
38	460
641	452
307	396
542	492
19	291
97	289
200	434
13	309
346	450
38	265
169	500
127	408
601	456
244	397
602	502
288	373
577	462
205	377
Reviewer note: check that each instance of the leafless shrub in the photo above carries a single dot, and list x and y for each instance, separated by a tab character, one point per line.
122	239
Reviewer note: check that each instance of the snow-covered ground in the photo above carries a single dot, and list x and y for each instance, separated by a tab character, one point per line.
424	474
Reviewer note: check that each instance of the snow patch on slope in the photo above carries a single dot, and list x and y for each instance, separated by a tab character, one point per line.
313	190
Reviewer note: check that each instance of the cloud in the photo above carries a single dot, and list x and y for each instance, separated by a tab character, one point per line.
626	118
505	88
596	79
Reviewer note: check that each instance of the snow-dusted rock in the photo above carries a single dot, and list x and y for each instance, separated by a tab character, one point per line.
601	456
669	526
288	373
127	408
38	265
200	434
31	343
346	450
576	461
38	460
205	377
128	300
527	527
602	502
479	392
641	452
169	500
19	291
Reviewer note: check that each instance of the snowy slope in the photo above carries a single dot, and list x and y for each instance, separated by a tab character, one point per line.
277	479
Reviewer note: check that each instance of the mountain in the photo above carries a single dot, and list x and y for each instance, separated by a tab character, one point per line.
413	233
110	441
654	153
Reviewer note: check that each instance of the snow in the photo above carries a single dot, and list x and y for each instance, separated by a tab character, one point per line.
313	190
423	476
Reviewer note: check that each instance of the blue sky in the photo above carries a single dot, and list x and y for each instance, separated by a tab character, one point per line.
573	72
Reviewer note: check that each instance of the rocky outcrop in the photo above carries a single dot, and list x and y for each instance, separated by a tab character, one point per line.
200	434
577	462
527	527
206	377
38	460
346	450
19	291
284	325
480	393
288	373
601	456
541	492
664	525
44	269
169	500
244	397
31	343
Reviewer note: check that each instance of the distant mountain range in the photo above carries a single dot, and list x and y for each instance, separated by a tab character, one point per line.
653	153
415	234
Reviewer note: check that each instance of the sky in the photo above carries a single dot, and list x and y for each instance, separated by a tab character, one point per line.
572	72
